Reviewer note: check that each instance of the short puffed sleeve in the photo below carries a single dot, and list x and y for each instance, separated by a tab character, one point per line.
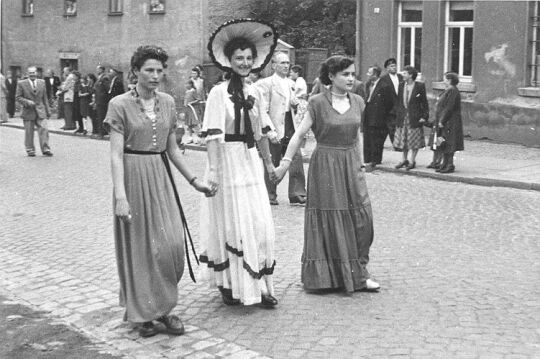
115	119
171	114
213	127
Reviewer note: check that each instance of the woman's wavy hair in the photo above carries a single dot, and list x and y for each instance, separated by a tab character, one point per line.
147	52
453	77
333	65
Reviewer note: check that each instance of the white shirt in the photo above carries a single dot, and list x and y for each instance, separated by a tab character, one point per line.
395	81
300	87
373	85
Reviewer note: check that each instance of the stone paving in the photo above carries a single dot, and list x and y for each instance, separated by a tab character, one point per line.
458	265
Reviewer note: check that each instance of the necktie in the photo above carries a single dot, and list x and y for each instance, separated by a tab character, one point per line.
33	84
406	96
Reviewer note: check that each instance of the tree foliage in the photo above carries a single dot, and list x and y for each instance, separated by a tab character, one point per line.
311	23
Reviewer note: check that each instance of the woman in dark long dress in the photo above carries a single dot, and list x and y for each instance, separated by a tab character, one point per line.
149	226
338	227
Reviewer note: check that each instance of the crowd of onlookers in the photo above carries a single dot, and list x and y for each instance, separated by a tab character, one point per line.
396	107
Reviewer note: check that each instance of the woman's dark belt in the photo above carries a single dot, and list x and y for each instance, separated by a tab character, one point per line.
182	215
235	138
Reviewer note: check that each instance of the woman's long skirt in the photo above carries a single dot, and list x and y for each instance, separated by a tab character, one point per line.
338	229
237	230
149	249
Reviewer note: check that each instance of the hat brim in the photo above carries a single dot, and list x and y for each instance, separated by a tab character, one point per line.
262	34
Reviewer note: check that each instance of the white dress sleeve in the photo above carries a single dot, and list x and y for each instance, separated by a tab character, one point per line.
214	115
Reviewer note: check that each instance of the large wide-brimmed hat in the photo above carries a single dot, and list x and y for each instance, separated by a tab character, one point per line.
262	34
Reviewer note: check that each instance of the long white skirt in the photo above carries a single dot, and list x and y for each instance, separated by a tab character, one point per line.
237	230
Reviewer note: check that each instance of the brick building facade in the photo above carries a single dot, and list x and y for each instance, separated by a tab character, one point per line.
85	33
491	44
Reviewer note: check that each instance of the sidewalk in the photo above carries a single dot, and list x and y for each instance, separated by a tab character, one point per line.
484	163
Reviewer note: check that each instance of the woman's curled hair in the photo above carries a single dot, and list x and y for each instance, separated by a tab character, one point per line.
333	65
453	77
147	52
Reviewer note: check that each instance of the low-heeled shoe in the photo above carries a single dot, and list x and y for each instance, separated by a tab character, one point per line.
402	164
297	200
268	301
147	329
173	324
410	166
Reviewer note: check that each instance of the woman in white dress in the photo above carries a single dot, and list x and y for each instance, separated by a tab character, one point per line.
237	230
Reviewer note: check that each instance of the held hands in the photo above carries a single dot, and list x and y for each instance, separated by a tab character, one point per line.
212	185
279	172
208	190
122	210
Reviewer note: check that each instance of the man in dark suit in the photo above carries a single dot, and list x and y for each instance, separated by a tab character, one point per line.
51	84
117	84
11	85
101	93
32	96
379	105
392	79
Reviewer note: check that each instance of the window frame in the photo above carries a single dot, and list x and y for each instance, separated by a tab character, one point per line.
120	6
413	25
25	5
162	2
534	64
65	9
461	25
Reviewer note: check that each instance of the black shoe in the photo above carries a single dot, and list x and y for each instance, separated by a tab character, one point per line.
402	164
300	200
447	169
47	153
274	202
84	132
147	329
226	296
268	301
411	166
31	154
173	324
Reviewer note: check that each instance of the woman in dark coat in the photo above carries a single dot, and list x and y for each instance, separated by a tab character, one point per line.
412	112
449	124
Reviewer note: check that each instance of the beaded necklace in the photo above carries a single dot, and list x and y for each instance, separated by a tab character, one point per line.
139	102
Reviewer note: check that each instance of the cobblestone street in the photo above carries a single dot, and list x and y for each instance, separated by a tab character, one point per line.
458	265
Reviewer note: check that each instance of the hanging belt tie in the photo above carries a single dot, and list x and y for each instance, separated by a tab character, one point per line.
187	234
236	89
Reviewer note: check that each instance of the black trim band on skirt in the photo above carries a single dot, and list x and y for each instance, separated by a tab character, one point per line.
187	234
220	267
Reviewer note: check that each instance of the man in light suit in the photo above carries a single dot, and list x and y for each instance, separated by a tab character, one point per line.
32	96
278	95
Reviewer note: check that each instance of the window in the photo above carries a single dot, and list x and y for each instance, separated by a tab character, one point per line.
115	7
459	38
410	34
28	7
70	7
535	46
157	7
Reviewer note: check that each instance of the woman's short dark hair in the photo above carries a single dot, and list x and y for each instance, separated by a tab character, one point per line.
147	52
190	81
412	71
453	77
239	43
298	69
333	65
197	70
92	77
